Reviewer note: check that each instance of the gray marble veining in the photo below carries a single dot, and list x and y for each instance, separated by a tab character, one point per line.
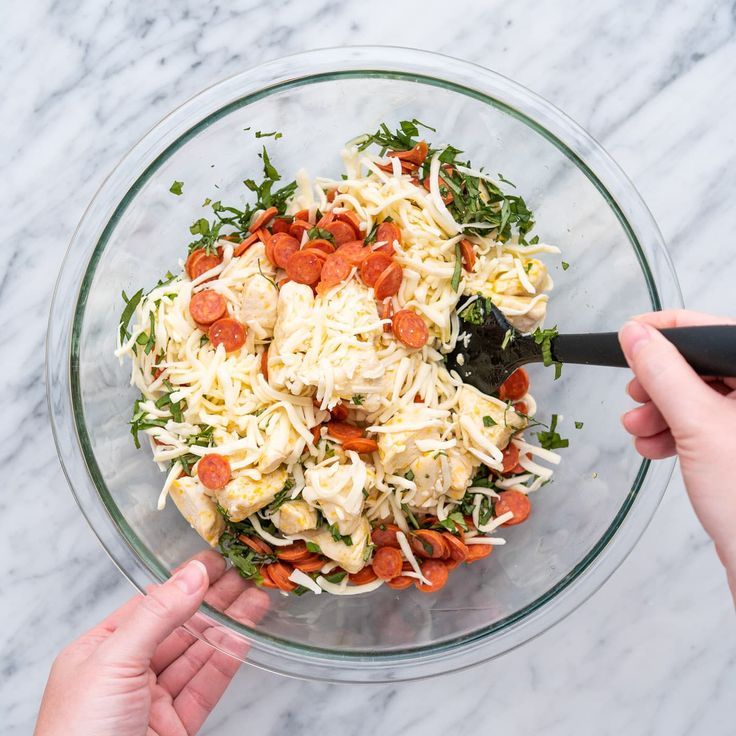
653	652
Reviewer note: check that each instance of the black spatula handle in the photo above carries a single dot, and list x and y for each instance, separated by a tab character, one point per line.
710	350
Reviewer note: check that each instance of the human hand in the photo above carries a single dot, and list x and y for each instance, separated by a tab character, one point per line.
687	415
138	673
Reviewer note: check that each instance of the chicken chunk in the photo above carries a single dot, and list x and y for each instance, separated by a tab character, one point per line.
398	449
510	283
294	517
244	494
258	306
283	444
337	490
197	508
328	344
350	558
486	424
526	313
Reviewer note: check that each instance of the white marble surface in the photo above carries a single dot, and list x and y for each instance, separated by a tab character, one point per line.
654	652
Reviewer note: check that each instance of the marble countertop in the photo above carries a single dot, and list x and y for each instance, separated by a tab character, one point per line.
654	651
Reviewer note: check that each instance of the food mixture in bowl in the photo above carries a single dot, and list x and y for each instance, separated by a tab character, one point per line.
292	375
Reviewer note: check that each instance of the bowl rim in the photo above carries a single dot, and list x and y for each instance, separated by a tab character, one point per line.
323	65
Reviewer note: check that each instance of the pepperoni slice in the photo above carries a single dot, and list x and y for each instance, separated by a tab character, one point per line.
263	219
436	572
510	457
389	282
283	246
296	551
515	386
373	266
320	244
204	264
457	548
316	433
266	581
516	502
468	255
428	543
343	431
213	471
298	228
279	574
264	363
256	544
478	552
310	564
326	219
386	311
335	270
400	583
363	577
341	231
350	218
192	258
385	536
304	267
281	225
227	332
361	445
244	245
414	155
387	563
339	412
302	215
521	407
388	232
207	306
410	329
319	253
331	194
354	252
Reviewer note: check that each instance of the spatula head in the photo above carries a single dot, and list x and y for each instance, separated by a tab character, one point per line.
493	350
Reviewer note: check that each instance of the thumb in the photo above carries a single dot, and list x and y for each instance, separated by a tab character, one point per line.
676	390
158	614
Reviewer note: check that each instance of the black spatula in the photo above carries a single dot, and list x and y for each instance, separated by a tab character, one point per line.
495	350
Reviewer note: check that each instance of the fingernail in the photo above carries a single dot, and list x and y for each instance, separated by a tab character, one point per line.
633	336
191	577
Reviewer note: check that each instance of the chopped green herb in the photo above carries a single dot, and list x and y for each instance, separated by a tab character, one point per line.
455	283
206	202
317	233
358	399
453	521
477	312
578	425
176	188
409	475
489	421
276	135
130	306
314	548
346	539
508	338
565	265
544	339
551	440
410	517
336	577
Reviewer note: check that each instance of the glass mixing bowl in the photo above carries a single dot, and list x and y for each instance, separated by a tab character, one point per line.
603	494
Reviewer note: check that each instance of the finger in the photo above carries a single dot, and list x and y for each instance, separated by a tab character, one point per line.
178	641
644	421
682	318
676	390
159	613
201	694
249	607
658	447
637	392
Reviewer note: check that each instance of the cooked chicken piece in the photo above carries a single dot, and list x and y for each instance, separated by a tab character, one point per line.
197	508
486	424
258	306
510	283
244	495
282	444
296	516
350	558
328	344
398	449
337	490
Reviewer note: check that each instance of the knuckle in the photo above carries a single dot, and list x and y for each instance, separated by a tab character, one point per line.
155	605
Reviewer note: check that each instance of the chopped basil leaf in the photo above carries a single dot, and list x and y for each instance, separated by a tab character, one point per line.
455	283
176	188
578	425
489	421
565	265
